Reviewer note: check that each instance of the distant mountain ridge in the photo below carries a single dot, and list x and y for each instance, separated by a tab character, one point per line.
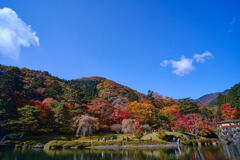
210	99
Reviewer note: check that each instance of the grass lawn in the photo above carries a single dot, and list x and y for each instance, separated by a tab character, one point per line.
93	141
153	135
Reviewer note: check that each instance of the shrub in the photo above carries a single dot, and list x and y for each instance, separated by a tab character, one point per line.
55	143
180	129
184	138
71	144
138	134
161	133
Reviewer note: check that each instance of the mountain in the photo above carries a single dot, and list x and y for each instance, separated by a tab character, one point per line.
26	84
17	85
114	92
210	99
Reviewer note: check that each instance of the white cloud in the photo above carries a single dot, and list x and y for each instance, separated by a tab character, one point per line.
200	58
185	65
14	34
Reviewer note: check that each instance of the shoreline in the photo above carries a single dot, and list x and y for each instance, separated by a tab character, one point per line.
135	146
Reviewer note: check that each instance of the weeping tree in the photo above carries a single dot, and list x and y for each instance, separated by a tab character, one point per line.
85	125
116	128
129	126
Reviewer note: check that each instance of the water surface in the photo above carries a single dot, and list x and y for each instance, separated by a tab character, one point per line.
221	152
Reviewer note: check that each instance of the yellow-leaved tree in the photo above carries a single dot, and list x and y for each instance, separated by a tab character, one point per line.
140	111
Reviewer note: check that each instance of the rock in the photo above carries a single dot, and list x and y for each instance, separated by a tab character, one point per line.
75	147
38	146
231	134
47	147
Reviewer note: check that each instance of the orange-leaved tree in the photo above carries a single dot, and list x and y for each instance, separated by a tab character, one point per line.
140	111
173	110
160	101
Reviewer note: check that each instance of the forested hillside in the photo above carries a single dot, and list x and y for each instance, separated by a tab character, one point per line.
35	102
21	85
24	87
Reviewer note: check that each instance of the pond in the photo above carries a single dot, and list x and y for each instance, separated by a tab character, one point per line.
220	152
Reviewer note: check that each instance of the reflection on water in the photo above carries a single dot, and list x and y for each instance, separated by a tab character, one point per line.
223	152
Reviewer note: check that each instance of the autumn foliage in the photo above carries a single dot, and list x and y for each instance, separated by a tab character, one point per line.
140	111
100	108
194	123
229	112
117	116
173	110
44	111
40	101
160	102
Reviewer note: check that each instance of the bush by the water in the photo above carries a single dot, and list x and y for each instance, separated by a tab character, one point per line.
139	134
161	133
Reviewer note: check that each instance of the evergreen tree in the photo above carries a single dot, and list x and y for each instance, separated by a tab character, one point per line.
188	106
11	85
233	96
28	117
31	91
54	90
3	115
62	115
155	122
73	94
220	99
206	113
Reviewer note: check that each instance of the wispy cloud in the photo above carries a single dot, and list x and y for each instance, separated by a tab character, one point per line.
200	58
185	65
14	34
234	20
232	24
165	63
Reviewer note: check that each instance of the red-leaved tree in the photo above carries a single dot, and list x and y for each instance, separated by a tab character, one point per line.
101	109
45	113
117	116
194	123
229	112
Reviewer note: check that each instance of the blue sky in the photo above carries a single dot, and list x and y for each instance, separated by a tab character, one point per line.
177	48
